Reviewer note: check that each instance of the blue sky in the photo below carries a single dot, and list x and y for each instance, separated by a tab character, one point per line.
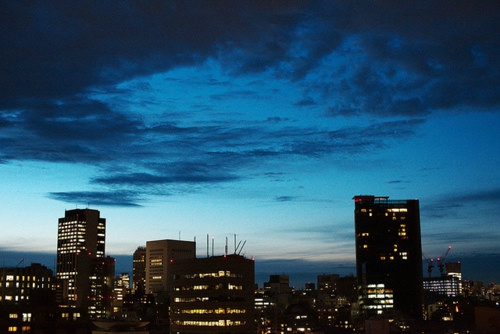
256	118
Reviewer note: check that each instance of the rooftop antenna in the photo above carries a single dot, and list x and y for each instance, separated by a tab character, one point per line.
236	248
208	243
213	243
242	247
225	250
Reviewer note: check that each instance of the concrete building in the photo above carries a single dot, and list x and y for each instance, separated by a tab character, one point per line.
388	257
159	255
212	295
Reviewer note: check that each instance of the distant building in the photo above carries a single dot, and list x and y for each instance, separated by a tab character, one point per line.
120	290
328	283
139	270
83	273
279	289
449	285
388	256
443	285
212	295
159	255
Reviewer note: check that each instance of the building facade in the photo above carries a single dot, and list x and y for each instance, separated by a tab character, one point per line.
212	295
20	285
159	255
83	273
388	256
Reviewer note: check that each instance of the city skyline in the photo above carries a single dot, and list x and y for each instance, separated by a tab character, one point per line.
260	119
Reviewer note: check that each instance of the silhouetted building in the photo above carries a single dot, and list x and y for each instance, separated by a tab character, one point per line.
212	295
84	274
25	285
328	283
279	290
139	270
159	255
388	256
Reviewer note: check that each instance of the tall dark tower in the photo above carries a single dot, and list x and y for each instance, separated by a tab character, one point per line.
388	256
81	269
139	271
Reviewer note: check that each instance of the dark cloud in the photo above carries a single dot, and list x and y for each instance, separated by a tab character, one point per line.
96	198
446	202
442	53
307	101
393	59
140	179
487	195
285	198
462	208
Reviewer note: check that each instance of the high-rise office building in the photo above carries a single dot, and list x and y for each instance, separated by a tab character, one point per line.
212	295
82	270
159	254
388	256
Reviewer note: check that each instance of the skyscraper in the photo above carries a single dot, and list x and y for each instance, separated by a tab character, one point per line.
82	270
388	256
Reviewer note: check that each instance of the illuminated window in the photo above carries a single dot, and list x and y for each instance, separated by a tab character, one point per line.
12	329
13	316
26	317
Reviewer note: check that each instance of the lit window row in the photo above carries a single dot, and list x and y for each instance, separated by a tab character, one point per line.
216	323
220	273
397	210
219	286
213	311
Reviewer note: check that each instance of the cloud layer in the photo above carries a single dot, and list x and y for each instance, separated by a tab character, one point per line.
394	64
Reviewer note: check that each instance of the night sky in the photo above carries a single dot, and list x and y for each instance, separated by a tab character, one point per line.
256	118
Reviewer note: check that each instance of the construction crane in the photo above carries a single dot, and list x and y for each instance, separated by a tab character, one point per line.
440	260
430	264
